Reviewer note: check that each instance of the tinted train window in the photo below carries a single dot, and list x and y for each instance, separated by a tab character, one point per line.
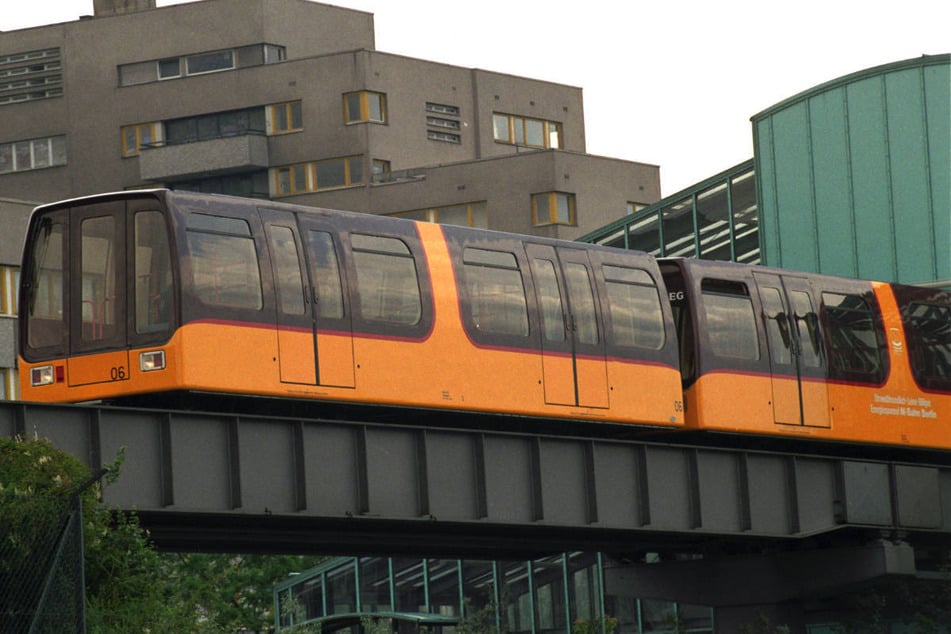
807	325
636	317
549	296
287	273
153	273
857	346
777	326
224	263
929	342
387	282
46	326
581	298
496	295
100	317
731	324
327	275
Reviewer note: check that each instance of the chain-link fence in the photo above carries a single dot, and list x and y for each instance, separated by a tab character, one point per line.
41	564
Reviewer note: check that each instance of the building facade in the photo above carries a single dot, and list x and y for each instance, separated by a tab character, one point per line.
289	100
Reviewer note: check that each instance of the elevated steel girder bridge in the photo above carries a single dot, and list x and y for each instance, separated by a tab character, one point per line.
257	483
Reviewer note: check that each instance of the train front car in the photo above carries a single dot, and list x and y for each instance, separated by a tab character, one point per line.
131	295
813	357
97	299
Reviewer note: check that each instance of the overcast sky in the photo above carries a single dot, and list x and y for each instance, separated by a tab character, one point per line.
668	82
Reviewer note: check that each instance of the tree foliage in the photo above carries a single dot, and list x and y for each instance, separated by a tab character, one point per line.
130	586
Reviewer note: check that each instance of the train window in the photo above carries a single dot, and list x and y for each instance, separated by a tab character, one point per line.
857	346
387	281
496	294
929	343
100	316
731	324
45	325
581	299
807	325
777	325
636	316
287	273
218	224
553	316
153	273
224	263
327	275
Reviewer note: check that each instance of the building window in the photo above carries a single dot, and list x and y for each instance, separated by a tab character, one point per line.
444	118
31	75
441	108
381	169
9	283
200	63
363	106
169	68
553	208
464	215
518	130
32	154
317	175
209	62
139	136
633	208
249	185
444	137
10	384
440	122
216	125
284	117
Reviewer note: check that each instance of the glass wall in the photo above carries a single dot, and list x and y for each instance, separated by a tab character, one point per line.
714	220
559	594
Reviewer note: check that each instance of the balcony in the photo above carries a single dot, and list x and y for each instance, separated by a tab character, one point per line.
211	157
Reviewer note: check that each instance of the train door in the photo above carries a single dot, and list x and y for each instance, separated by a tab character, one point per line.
797	365
573	362
97	295
315	345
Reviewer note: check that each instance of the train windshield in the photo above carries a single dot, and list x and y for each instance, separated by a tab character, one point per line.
45	322
96	277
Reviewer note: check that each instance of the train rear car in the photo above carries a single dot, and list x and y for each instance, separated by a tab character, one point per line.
766	351
143	293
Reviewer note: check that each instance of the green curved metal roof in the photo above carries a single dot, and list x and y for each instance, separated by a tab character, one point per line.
915	62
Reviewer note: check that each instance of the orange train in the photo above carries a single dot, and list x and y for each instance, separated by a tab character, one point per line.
161	292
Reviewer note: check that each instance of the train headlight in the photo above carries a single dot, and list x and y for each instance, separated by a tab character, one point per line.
152	360
42	375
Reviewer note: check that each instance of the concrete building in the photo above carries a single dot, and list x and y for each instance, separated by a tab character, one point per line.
288	99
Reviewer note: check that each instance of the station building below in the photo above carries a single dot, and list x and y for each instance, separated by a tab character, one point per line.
573	593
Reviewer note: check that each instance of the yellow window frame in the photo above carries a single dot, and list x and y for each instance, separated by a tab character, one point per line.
286	110
364	107
295	172
302	177
138	130
9	283
548	214
518	129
